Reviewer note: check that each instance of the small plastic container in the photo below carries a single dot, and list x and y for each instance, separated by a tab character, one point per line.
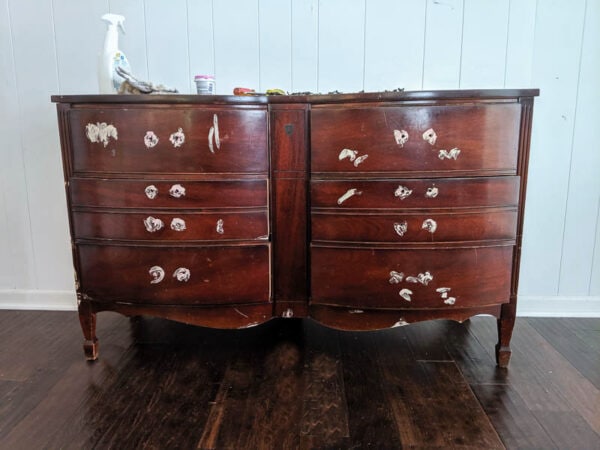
205	84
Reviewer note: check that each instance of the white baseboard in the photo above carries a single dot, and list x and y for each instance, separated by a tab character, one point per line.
559	306
38	299
528	306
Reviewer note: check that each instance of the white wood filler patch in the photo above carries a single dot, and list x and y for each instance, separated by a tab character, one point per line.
101	132
211	133
396	277
402	192
423	278
429	225
452	154
157	273
288	313
177	191
349	193
401	323
430	136
400	228
214	139
405	294
432	192
347	153
220	224
360	160
216	126
182	274
352	155
153	224
177	138
178	224
151	192
401	136
150	139
443	291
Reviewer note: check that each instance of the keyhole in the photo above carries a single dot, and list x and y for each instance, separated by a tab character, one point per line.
289	129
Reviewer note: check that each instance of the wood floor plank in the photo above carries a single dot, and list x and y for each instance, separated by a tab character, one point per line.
324	422
433	404
441	406
428	339
517	426
370	419
274	405
476	364
584	355
544	379
295	384
568	430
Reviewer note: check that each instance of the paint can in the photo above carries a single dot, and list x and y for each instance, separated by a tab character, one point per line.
205	84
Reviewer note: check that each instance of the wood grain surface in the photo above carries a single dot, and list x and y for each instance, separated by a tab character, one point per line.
293	384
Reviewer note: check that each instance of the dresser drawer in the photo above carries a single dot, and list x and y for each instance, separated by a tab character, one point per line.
435	138
168	139
427	278
415	227
175	275
168	194
162	226
416	193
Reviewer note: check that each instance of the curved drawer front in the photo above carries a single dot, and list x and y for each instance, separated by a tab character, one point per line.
421	227
168	194
416	193
130	139
428	278
175	276
440	138
160	226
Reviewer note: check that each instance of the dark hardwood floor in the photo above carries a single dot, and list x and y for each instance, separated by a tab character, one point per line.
294	384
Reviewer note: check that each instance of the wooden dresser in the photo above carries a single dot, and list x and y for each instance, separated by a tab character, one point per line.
361	211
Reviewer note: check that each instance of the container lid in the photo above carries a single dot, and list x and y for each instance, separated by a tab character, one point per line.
204	77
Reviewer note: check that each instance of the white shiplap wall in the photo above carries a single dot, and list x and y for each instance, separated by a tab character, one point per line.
51	46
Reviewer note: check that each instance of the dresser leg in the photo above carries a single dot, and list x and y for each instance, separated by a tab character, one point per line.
87	318
506	323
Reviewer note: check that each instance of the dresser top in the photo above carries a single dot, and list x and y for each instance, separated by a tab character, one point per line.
313	98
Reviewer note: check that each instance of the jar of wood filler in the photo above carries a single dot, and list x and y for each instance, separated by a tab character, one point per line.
205	84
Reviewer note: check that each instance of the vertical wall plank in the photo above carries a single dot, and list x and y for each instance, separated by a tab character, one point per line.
16	252
443	40
485	29
275	40
133	43
584	180
36	74
77	58
595	279
236	45
200	36
7	274
555	72
519	48
167	44
341	45
394	44
305	31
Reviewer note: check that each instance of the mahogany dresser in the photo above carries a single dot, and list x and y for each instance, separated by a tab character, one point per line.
361	211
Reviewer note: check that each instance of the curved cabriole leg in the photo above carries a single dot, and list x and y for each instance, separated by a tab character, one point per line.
87	318
506	323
